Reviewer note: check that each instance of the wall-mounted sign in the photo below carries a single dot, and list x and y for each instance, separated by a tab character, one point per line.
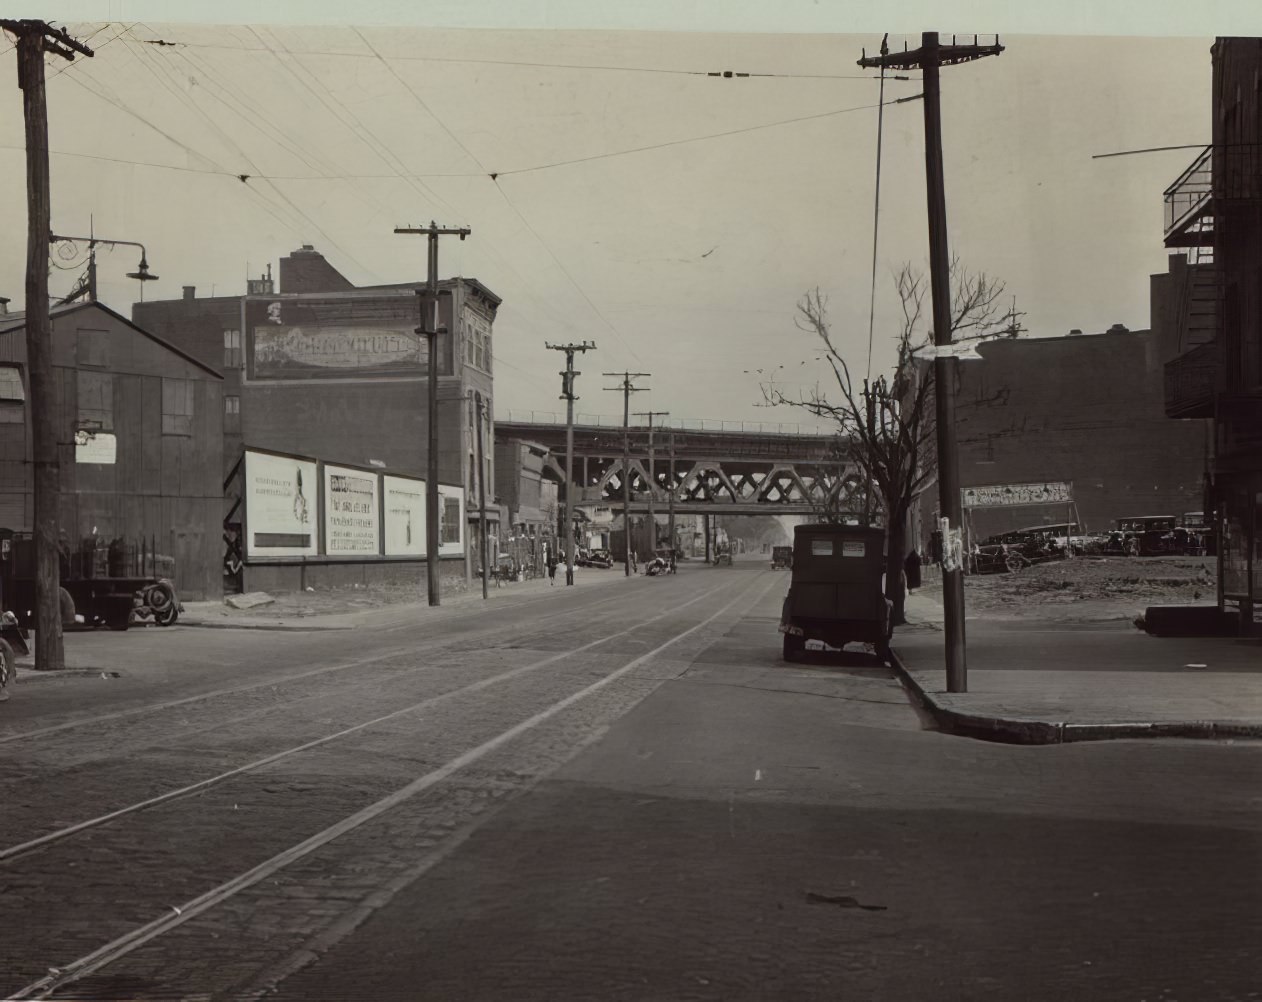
352	526
280	506
1012	495
99	447
853	548
319	351
404	503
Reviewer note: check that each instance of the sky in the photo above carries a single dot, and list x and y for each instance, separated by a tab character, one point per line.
673	218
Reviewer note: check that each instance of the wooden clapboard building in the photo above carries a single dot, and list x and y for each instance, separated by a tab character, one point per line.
139	440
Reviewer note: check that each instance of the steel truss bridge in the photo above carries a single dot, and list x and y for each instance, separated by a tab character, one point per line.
712	472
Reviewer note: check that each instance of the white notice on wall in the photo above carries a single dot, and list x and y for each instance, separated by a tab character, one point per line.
352	526
405	517
99	447
280	506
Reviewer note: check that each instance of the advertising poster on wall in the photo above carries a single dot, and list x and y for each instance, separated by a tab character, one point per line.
451	530
352	526
1015	495
405	516
280	506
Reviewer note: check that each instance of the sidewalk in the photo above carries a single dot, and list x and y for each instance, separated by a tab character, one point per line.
1039	682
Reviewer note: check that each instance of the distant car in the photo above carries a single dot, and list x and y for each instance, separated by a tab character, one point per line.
1147	535
782	556
594	558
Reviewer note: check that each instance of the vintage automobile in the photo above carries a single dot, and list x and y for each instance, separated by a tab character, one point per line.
837	593
1011	551
1201	539
1146	536
594	558
781	556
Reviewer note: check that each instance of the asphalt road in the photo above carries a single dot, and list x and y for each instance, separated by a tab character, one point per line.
613	793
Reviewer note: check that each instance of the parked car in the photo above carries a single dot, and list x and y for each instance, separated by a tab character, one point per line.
594	558
1202	540
782	556
1010	551
1147	535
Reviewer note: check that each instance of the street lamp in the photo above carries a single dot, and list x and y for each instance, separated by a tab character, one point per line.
141	274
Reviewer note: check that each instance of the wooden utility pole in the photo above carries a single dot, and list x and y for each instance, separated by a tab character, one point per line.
670	497
34	39
567	394
430	329
928	58
486	563
652	478
626	389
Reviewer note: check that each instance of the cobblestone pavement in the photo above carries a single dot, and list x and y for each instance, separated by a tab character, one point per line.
68	898
633	818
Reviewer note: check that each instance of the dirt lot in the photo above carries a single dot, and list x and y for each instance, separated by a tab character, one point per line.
1089	588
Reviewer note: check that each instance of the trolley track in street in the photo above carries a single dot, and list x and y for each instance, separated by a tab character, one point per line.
13	852
433	644
139	935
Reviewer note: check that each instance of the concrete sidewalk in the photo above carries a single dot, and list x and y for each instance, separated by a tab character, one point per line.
1036	682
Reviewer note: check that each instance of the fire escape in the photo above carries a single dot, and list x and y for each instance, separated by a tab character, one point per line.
1196	286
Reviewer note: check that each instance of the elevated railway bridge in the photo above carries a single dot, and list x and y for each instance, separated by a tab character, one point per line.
731	468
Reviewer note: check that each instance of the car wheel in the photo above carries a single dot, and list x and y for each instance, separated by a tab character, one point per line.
793	647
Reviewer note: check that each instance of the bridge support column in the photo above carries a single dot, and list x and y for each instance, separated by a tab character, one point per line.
705	525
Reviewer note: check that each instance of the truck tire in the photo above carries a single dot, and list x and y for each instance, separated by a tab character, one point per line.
793	647
66	603
8	669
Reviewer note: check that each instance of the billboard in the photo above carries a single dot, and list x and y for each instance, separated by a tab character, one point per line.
404	505
352	520
1014	495
280	499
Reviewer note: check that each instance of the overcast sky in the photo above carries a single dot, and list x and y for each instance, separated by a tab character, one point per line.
673	218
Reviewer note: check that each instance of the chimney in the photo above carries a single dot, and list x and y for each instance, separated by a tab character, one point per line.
190	292
1119	329
1075	331
4	305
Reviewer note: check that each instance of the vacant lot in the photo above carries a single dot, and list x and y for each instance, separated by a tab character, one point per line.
1092	588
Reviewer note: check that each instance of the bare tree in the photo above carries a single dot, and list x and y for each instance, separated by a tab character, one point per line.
886	425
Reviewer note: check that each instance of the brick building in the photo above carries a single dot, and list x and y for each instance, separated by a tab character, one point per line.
1210	310
139	443
1084	409
322	368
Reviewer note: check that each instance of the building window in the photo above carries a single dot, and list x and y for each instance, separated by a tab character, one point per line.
451	521
232	349
232	413
12	395
177	407
96	400
92	348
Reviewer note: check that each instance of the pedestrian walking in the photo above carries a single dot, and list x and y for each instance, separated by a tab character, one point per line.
635	564
672	561
911	569
552	570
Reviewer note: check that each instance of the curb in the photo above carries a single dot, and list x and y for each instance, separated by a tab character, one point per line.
1024	731
258	626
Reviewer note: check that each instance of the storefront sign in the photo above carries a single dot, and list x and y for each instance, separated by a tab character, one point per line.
98	447
1014	495
352	526
405	516
280	506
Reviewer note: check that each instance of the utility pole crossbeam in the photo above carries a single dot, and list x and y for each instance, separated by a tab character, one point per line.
928	58
626	389
653	479
34	38
429	329
567	394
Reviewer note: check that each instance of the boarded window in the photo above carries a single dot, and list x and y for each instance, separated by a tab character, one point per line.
451	521
96	400
11	387
177	407
92	348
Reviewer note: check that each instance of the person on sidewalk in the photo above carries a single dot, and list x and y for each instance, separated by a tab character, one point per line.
552	570
911	570
635	564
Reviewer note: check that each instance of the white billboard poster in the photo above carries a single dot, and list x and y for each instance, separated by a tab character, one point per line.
405	516
451	526
280	506
1015	495
352	523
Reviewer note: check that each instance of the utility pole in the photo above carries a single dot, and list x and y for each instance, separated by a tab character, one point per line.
486	562
429	329
626	389
652	479
928	58
670	497
34	39
567	394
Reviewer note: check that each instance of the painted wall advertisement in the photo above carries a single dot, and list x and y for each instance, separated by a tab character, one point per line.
280	506
352	525
1013	495
405	516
